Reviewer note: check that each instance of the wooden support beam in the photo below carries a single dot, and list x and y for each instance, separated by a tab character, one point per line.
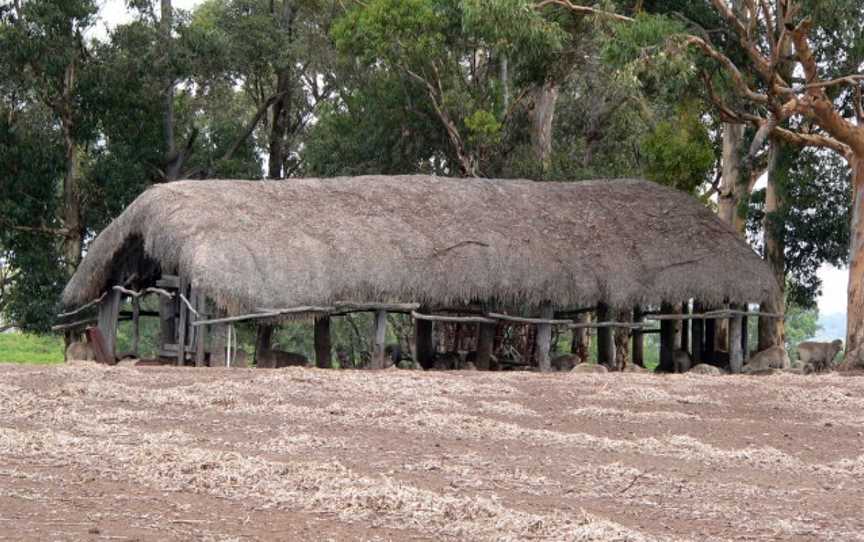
685	327
745	340
424	352
580	344
323	348
667	342
201	334
485	346
638	338
136	327
544	337
521	320
109	311
437	318
379	336
605	344
697	351
350	306
736	355
218	341
263	339
181	325
167	321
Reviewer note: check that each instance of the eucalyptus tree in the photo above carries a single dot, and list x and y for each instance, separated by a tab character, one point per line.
474	64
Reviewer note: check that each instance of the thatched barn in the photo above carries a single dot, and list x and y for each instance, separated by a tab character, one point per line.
239	249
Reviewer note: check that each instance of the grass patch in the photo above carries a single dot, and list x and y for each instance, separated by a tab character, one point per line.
24	348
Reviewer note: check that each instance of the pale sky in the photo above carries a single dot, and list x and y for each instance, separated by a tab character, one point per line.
834	281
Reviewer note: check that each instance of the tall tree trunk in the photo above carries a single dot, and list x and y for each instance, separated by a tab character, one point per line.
731	182
72	214
281	108
542	118
729	199
772	330
855	299
172	160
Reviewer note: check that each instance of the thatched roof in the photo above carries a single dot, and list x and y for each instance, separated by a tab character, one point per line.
428	239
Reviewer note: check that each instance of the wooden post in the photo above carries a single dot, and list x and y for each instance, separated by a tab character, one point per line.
323	352
263	339
697	351
736	355
544	338
424	354
709	350
109	310
485	346
745	338
218	334
638	339
685	327
181	326
136	327
605	344
581	343
379	336
201	334
667	340
167	322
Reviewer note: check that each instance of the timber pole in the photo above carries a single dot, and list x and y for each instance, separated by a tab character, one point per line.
323	350
638	339
136	325
667	341
379	336
424	354
605	344
736	355
698	336
485	345
544	338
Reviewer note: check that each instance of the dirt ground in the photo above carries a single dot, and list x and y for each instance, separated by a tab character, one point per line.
89	452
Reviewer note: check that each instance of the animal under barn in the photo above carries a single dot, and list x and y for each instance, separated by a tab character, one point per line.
480	251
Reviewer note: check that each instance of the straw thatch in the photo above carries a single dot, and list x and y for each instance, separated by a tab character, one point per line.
426	239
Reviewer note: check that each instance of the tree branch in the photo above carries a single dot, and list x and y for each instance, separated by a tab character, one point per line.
244	135
730	68
584	10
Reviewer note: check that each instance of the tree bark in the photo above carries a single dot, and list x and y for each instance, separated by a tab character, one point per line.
855	298
729	199
731	181
173	162
72	214
542	117
772	330
281	108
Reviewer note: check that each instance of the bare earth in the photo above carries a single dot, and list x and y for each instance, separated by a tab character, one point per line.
95	453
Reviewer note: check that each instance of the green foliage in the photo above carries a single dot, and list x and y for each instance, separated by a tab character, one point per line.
816	186
383	126
26	348
679	152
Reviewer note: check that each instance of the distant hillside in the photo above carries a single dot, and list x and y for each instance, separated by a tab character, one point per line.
833	327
